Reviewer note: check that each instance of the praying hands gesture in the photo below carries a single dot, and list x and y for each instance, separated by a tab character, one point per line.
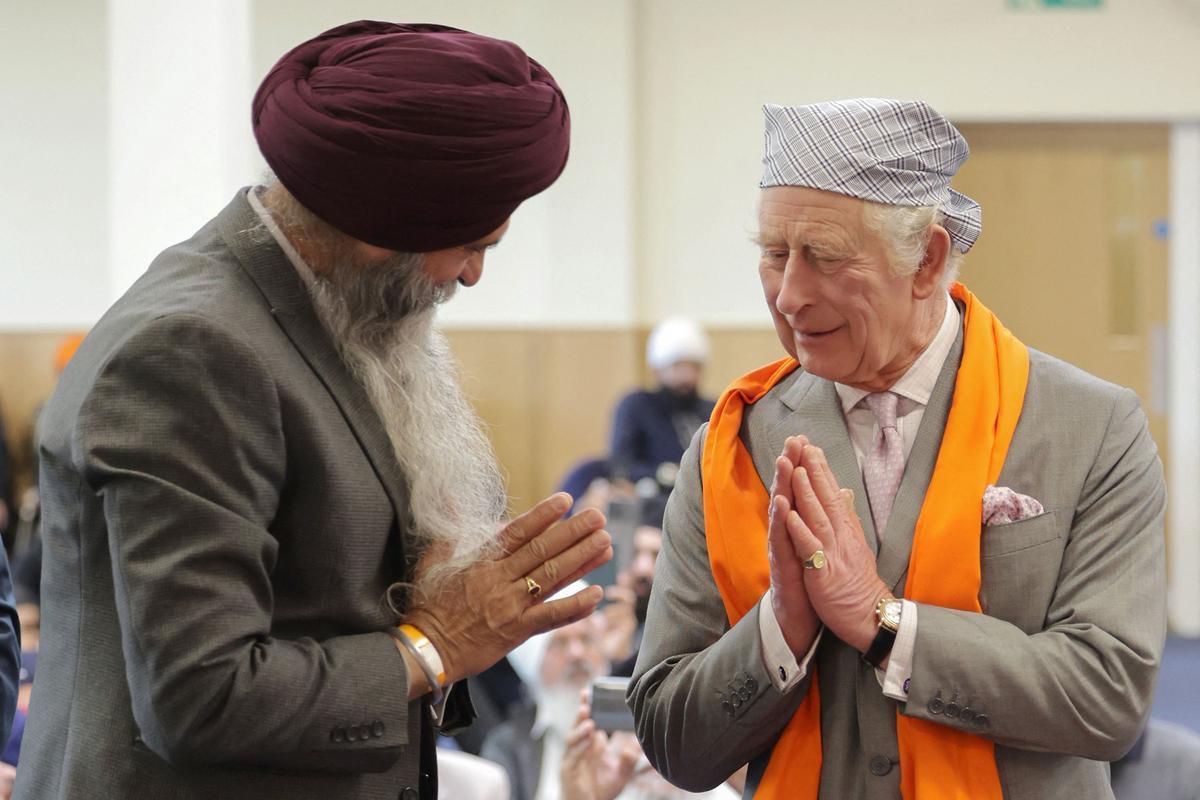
825	545
476	617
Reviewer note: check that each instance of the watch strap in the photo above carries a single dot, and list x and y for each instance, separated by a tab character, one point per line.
880	647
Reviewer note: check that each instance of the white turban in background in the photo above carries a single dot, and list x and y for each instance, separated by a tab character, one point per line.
526	659
676	339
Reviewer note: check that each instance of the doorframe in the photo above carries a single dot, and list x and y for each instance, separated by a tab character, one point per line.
1183	380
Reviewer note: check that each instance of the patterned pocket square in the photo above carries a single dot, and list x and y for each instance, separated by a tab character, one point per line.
1002	506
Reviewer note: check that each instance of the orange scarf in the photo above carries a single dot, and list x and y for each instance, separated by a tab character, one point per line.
936	762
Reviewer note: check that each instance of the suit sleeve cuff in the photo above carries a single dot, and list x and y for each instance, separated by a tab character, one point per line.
778	658
895	680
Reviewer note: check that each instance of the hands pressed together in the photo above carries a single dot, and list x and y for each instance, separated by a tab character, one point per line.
809	512
475	618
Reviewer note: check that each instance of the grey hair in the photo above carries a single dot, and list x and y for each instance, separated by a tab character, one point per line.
905	231
323	241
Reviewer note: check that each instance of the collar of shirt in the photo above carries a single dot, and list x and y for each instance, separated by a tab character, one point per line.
917	383
305	272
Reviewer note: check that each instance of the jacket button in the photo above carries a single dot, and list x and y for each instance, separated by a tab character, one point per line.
737	701
880	766
364	732
378	728
952	710
409	793
728	706
352	734
337	735
752	684
981	721
744	694
967	714
935	705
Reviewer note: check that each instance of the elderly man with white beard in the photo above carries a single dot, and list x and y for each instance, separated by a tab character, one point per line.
274	535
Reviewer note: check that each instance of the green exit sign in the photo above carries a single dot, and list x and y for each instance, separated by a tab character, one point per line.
1066	4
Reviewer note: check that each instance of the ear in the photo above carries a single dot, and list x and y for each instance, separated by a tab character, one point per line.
937	255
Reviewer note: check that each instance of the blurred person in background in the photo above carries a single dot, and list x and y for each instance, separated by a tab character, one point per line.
555	668
273	526
959	536
626	614
1164	764
6	485
598	765
13	684
652	428
551	749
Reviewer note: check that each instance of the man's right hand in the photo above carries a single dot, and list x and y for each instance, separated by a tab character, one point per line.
596	766
477	617
789	598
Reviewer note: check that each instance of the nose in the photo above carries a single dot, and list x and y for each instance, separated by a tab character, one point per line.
473	270
796	287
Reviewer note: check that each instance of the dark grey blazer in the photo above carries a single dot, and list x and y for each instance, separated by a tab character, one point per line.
1059	669
222	516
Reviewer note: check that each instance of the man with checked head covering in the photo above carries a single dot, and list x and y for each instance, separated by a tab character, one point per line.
913	558
273	525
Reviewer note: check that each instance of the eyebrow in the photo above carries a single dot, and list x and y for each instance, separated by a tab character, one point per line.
763	240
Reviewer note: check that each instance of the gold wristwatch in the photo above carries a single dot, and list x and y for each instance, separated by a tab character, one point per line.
887	615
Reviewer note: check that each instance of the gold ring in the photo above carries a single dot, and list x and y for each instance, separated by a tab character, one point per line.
533	587
815	561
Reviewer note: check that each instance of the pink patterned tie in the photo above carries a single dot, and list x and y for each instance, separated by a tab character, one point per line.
884	465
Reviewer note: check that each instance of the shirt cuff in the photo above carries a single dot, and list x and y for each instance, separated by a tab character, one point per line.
899	670
778	658
438	711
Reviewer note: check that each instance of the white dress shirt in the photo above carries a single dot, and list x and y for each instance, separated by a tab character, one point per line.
914	389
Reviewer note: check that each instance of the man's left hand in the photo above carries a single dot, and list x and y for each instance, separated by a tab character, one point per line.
845	591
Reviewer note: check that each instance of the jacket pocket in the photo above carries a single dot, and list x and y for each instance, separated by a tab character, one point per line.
1013	537
1020	564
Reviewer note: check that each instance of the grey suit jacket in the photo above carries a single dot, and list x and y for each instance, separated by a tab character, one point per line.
1059	669
222	516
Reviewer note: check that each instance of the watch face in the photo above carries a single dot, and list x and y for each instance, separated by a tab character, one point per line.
891	613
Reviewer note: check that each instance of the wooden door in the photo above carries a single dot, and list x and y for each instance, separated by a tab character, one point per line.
1073	256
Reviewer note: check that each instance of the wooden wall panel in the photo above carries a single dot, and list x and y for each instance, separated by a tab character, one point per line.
546	395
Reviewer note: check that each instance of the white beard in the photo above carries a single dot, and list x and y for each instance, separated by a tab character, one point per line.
558	706
381	318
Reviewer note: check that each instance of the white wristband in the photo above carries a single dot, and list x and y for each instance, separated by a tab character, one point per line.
426	656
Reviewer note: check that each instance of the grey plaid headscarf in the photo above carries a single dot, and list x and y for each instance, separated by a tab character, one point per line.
896	152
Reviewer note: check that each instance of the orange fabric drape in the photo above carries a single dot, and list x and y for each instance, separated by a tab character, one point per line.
936	762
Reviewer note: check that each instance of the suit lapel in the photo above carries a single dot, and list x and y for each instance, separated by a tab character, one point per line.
292	309
918	471
816	412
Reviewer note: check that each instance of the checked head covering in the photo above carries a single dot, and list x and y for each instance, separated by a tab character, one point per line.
896	152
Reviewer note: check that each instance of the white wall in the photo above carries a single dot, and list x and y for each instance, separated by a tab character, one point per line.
652	214
53	163
179	134
568	256
707	67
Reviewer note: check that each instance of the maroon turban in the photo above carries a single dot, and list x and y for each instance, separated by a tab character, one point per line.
411	137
